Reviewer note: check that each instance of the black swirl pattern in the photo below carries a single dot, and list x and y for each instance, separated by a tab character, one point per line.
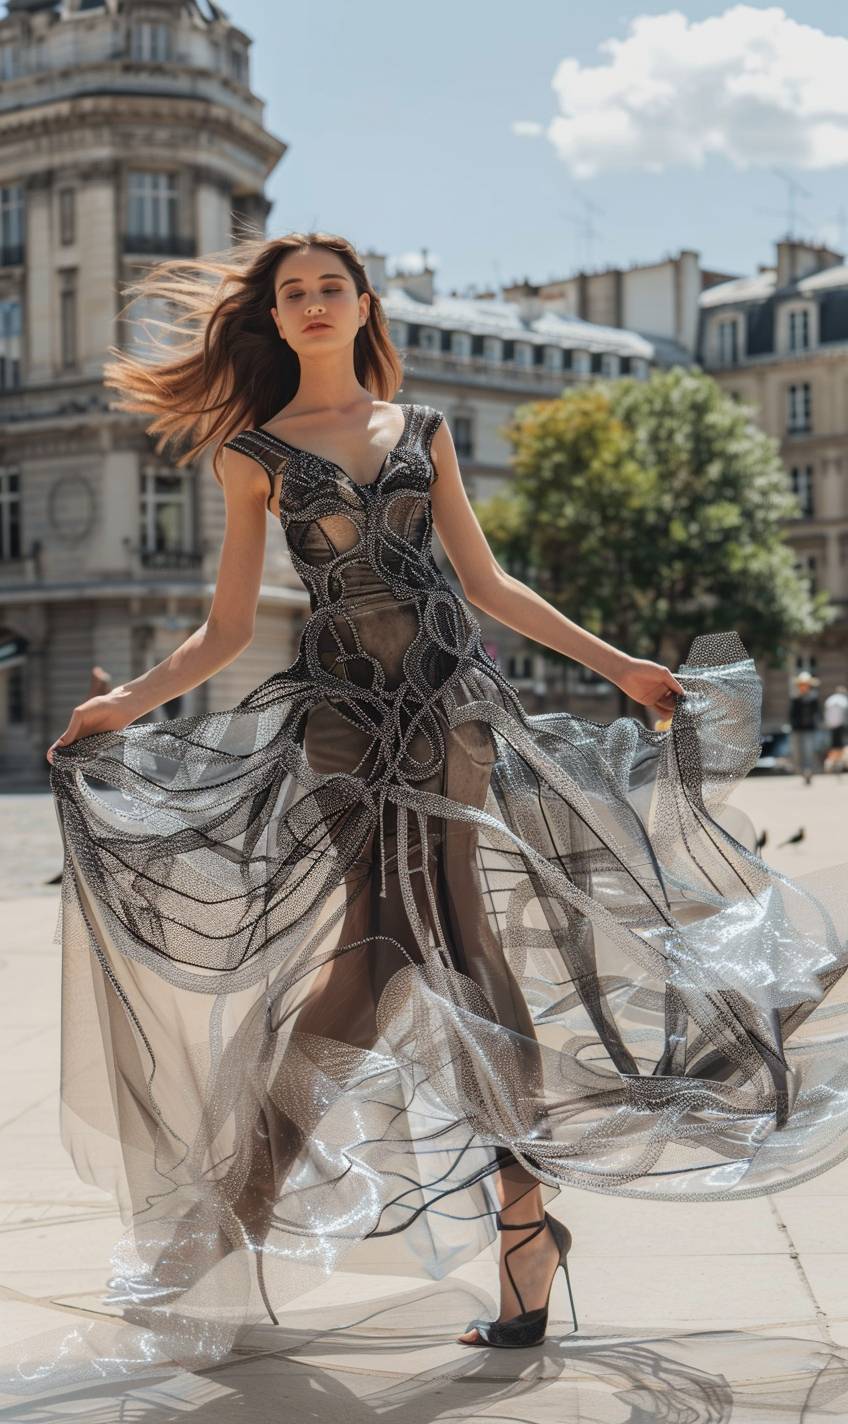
336	956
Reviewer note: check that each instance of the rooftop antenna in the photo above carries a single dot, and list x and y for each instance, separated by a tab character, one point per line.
793	188
586	227
841	227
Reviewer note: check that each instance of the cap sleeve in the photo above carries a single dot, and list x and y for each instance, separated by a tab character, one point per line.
250	442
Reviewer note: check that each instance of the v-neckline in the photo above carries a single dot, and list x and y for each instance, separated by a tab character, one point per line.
325	460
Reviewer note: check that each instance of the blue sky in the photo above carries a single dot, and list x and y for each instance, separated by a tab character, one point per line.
403	128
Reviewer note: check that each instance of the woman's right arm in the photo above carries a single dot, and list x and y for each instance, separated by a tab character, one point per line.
229	626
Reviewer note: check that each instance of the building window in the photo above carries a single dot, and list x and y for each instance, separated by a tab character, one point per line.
581	363
146	326
15	699
799	329
151	41
67	216
10	514
153	205
238	64
10	343
609	364
807	565
523	354
639	368
166	514
9	59
430	339
68	319
799	408
728	342
463	435
460	344
803	488
519	666
553	358
806	663
492	348
11	225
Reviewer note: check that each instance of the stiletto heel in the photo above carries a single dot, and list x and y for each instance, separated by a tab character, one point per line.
529	1326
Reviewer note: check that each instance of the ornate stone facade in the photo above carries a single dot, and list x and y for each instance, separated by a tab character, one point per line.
128	133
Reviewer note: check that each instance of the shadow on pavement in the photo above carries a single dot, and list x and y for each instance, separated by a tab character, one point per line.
396	1358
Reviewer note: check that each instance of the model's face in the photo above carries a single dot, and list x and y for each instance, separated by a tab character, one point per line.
315	287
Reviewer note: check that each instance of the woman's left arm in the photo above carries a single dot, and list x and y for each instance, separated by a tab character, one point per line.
490	588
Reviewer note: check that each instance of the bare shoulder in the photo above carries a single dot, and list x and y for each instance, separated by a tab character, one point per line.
241	476
440	440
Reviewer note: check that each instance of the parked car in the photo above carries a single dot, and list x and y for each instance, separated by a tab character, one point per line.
775	757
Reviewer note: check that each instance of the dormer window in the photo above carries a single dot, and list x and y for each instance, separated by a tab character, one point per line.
727	341
151	41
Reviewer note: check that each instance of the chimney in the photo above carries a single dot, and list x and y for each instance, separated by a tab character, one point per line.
796	259
375	266
417	284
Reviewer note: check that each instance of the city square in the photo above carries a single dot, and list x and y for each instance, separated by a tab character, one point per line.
423	712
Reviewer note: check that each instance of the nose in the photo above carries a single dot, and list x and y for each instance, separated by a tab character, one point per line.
314	308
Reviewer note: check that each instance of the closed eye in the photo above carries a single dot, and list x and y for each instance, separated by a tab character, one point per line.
323	289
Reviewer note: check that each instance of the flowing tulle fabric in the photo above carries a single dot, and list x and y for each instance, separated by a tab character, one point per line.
335	957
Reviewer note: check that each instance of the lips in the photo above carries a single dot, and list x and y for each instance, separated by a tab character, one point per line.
317	326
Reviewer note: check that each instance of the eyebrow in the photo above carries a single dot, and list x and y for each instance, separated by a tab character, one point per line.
288	281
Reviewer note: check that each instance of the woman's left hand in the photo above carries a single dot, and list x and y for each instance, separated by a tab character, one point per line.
652	684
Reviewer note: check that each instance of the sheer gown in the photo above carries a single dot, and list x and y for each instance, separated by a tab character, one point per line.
334	957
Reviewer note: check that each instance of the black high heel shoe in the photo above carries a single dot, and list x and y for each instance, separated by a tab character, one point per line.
527	1328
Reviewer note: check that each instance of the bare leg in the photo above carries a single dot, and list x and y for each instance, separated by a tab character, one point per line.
520	1196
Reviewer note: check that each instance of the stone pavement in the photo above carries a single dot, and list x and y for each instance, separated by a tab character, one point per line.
693	1312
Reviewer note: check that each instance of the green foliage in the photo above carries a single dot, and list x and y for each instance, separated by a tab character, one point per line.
649	511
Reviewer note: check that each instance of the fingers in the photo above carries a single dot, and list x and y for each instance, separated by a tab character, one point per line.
59	742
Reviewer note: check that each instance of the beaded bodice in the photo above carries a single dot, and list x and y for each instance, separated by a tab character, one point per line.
364	553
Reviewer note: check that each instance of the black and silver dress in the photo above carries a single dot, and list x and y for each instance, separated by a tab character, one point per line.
336	955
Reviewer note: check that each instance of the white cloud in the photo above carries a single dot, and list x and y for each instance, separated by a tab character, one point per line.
527	128
751	85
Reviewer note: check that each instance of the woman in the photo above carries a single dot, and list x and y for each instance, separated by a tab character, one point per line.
377	953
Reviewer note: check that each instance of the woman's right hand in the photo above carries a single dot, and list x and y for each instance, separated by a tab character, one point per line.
107	713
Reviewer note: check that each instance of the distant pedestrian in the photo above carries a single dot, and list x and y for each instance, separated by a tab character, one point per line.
804	715
836	721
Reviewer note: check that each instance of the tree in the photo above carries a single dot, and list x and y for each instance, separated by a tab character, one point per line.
650	511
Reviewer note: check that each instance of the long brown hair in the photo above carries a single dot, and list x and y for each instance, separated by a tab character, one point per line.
220	364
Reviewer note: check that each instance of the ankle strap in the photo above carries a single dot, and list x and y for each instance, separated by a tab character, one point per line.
515	1225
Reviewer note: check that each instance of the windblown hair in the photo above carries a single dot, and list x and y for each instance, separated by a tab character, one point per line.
219	363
